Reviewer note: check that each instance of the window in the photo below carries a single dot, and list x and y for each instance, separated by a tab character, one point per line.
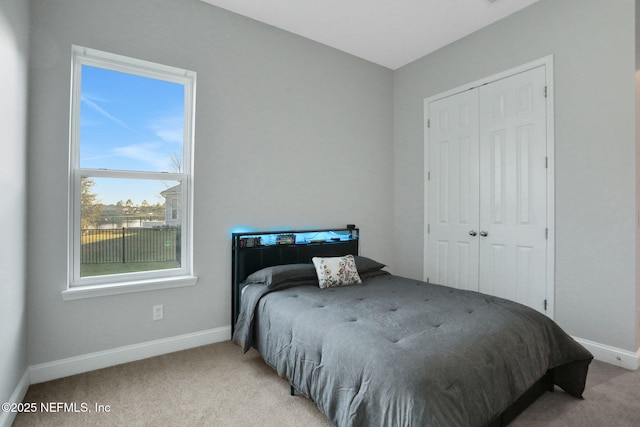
174	209
131	175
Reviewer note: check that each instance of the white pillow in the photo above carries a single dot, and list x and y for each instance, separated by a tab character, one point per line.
336	271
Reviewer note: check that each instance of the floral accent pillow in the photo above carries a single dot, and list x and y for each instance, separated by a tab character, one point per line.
336	271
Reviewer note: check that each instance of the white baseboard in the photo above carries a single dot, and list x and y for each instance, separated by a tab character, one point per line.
103	359
612	355
6	418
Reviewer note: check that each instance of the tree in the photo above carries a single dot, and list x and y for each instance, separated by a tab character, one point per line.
158	209
90	206
176	163
129	207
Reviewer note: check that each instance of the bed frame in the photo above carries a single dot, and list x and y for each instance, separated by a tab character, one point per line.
252	251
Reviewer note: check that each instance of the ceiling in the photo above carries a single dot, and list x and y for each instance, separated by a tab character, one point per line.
390	33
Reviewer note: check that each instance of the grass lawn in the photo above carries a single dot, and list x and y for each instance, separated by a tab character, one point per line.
87	270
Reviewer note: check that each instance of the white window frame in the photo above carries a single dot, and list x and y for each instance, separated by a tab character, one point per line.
85	287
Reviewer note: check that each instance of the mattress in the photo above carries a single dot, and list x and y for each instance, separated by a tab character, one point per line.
402	352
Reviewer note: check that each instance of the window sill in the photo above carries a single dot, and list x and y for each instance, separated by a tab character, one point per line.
94	291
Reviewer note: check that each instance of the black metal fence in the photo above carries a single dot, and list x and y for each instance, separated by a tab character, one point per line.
130	245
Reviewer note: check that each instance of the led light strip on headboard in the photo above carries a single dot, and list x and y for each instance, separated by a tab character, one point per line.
255	250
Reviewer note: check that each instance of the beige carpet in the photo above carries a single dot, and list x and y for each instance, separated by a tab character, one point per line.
216	385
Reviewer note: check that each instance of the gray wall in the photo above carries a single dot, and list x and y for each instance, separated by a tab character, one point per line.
637	41
14	32
289	133
595	151
265	95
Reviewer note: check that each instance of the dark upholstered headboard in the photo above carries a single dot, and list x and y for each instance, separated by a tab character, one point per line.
252	251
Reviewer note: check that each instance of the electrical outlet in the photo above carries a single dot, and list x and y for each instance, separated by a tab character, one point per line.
158	312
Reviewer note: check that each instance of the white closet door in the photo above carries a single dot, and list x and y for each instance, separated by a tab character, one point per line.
513	187
452	253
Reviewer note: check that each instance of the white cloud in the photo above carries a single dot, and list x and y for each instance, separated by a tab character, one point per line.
148	153
94	106
169	129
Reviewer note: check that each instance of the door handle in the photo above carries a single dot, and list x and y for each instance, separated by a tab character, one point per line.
473	233
484	233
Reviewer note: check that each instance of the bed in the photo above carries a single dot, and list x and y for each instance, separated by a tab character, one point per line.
388	350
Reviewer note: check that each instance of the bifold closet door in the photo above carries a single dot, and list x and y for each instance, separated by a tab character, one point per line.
454	191
487	183
513	185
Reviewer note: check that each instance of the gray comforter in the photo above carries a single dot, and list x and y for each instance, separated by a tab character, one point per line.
400	352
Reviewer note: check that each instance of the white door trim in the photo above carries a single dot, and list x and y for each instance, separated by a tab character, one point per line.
547	63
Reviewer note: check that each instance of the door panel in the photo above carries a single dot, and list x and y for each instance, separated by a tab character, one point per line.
452	253
513	186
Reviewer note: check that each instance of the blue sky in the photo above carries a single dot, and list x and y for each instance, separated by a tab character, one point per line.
129	122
